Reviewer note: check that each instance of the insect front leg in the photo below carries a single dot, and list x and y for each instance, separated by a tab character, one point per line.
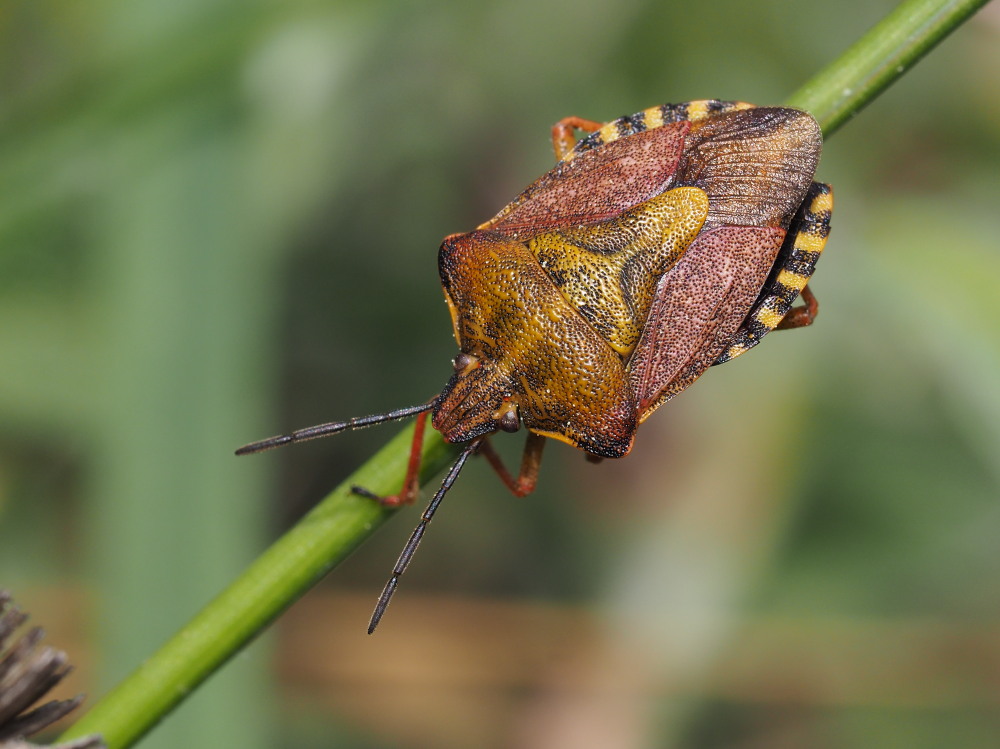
531	460
411	482
564	134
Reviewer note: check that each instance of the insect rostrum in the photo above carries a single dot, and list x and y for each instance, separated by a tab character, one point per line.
660	244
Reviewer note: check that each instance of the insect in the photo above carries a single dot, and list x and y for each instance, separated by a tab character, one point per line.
660	244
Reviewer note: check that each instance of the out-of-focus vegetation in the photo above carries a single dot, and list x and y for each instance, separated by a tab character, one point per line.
220	219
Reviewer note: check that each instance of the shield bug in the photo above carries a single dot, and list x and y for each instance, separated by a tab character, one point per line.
660	244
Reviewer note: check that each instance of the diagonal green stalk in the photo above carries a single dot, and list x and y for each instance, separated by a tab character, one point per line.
890	48
297	560
344	520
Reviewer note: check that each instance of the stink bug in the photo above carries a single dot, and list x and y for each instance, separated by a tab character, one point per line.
660	244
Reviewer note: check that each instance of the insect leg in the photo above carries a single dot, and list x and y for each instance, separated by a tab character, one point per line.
792	271
418	533
800	317
407	495
564	134
531	460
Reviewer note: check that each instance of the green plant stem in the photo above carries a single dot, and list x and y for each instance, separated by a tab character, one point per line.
271	584
343	520
870	65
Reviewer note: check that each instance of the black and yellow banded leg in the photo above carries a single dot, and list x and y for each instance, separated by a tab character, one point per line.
601	133
809	230
803	315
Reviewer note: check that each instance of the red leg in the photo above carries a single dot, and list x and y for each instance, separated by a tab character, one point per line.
799	317
564	137
526	479
407	495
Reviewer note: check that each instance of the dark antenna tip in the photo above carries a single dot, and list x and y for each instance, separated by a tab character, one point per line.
383	602
268	444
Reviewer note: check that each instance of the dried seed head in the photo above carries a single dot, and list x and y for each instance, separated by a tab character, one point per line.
29	671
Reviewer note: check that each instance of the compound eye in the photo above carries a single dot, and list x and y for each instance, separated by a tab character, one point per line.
509	421
464	361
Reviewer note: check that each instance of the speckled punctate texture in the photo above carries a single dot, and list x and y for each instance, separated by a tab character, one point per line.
696	313
534	348
657	247
609	272
597	185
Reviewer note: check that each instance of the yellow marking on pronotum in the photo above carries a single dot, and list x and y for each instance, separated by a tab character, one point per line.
555	436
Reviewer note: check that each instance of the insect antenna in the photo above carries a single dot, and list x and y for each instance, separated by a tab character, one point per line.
418	533
333	427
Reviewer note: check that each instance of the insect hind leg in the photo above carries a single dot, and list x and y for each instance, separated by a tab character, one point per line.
803	315
564	134
791	273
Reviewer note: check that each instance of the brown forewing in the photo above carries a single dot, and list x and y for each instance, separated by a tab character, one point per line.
699	305
596	185
755	164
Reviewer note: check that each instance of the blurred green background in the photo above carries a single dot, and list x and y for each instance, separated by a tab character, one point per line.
219	220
